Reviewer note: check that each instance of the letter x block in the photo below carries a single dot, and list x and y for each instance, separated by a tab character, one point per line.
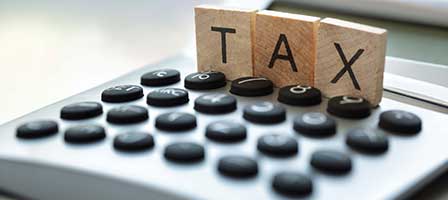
350	60
224	40
285	47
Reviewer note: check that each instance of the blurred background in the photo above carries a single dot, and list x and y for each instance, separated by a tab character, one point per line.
52	49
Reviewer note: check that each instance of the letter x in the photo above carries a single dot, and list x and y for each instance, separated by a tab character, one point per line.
347	66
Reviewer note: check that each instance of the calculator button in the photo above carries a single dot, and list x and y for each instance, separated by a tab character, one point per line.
81	110
127	114
184	152
175	121
331	162
122	93
251	86
264	113
349	107
133	141
167	97
237	166
368	141
400	122
37	129
215	103
315	124
292	184
160	77
205	80
225	131
277	145
84	134
299	95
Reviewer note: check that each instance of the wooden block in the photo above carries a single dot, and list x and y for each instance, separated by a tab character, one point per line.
224	40
350	60
285	47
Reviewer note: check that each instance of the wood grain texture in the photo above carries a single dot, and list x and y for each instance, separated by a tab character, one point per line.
351	39
238	60
275	29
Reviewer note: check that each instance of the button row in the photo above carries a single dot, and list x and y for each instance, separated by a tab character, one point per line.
362	140
297	95
245	86
312	124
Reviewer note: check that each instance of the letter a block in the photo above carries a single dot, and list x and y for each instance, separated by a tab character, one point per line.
285	47
224	40
350	60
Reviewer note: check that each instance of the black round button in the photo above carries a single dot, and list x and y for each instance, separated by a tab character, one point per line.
315	124
349	107
277	145
175	121
225	131
237	166
133	141
252	86
332	162
400	121
205	80
81	110
122	93
160	77
127	114
184	152
264	113
37	129
84	134
292	184
215	103
368	141
299	95
167	97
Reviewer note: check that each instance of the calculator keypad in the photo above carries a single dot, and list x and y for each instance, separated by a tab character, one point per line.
279	145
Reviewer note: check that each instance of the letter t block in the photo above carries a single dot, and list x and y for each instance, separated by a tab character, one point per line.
224	40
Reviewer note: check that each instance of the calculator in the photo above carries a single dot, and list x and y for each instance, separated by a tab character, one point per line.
167	131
